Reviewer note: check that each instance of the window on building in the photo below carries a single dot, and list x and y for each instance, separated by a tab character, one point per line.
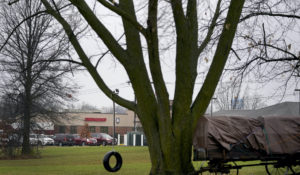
62	129
92	129
104	129
73	129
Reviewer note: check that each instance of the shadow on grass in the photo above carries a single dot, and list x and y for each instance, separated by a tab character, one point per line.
15	153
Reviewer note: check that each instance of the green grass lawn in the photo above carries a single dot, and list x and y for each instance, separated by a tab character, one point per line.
88	160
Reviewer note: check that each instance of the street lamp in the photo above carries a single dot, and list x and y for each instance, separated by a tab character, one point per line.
299	99
211	105
115	92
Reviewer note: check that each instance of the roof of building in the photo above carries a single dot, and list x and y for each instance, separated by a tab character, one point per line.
232	113
280	109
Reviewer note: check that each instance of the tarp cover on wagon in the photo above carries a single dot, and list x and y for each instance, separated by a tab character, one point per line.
272	135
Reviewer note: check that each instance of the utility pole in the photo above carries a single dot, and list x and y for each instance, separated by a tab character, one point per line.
115	92
299	99
211	105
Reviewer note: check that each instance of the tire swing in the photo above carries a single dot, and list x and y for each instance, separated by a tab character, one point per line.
106	159
117	155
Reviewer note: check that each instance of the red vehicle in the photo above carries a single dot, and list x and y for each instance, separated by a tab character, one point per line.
83	141
103	139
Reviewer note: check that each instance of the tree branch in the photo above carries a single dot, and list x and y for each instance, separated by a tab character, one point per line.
12	2
269	14
18	25
211	29
221	55
105	53
24	20
178	14
155	66
59	60
247	64
101	31
235	53
124	15
85	60
265	42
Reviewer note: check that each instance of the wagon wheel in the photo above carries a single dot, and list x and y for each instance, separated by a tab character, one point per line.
225	169
237	170
275	169
295	169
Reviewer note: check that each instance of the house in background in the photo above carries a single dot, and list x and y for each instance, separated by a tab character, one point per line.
74	122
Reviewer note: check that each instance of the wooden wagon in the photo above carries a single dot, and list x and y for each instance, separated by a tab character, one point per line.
273	141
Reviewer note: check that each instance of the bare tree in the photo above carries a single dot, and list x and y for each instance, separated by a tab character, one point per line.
118	109
88	107
253	102
229	97
226	94
33	81
169	134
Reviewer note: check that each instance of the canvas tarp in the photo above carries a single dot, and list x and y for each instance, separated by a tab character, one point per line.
272	135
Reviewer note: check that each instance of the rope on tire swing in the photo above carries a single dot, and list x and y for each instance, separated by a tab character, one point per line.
113	153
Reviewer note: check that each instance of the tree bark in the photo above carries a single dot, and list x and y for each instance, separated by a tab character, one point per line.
27	102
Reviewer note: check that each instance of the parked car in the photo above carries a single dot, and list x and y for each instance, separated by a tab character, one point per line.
50	136
14	140
42	139
33	140
84	141
103	139
3	138
64	139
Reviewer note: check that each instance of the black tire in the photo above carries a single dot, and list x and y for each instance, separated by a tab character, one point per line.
83	144
107	158
104	143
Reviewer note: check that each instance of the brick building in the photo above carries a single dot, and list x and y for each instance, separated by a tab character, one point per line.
74	122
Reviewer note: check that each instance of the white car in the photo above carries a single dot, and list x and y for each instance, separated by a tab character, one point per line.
41	139
46	140
33	139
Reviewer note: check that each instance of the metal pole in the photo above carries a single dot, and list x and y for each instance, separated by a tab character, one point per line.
211	105
114	120
134	120
114	114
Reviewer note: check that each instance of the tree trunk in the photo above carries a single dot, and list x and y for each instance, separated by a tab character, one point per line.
176	161
170	155
26	149
27	100
26	131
